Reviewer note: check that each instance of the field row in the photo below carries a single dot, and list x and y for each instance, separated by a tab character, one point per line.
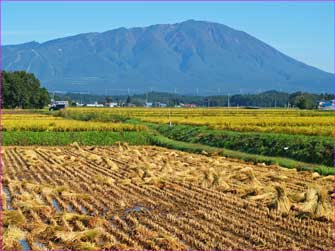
322	126
198	112
276	121
125	197
39	122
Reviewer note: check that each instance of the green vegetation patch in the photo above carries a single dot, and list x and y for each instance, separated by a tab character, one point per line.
311	149
199	148
26	138
91	115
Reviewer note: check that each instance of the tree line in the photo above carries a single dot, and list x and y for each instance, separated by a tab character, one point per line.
300	100
20	89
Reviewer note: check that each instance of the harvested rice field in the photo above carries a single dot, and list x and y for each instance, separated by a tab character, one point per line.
135	197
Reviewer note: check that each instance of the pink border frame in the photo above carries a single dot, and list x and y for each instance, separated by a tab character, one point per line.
134	2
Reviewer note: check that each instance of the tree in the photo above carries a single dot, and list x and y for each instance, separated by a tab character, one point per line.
128	100
57	98
137	102
22	89
44	98
109	99
303	100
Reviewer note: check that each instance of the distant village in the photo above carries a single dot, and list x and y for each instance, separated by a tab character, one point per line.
61	104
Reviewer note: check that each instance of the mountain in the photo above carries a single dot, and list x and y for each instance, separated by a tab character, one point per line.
186	57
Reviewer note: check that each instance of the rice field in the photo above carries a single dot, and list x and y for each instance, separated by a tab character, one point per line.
35	122
135	197
304	122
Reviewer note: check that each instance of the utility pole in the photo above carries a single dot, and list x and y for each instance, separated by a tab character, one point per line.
170	123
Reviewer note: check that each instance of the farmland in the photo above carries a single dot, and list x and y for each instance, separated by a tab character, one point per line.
242	120
120	187
32	128
134	197
305	136
41	122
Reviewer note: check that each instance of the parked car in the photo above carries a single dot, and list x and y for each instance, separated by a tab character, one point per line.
56	107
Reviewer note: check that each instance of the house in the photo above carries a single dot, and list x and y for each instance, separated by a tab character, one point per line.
95	104
60	102
188	105
65	103
326	105
148	104
157	104
112	104
162	105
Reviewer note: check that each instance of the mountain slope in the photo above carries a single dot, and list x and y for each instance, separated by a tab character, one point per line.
182	56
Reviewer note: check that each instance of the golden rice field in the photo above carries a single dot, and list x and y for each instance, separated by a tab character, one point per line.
244	120
123	197
40	122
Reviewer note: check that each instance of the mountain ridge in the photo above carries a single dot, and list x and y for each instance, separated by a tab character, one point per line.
184	56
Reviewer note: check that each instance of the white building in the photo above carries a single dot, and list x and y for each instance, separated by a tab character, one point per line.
95	104
326	105
112	104
60	102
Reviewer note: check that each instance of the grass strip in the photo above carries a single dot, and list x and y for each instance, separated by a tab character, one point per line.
160	140
310	149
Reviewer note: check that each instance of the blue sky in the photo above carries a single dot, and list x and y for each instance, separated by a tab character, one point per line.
302	30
